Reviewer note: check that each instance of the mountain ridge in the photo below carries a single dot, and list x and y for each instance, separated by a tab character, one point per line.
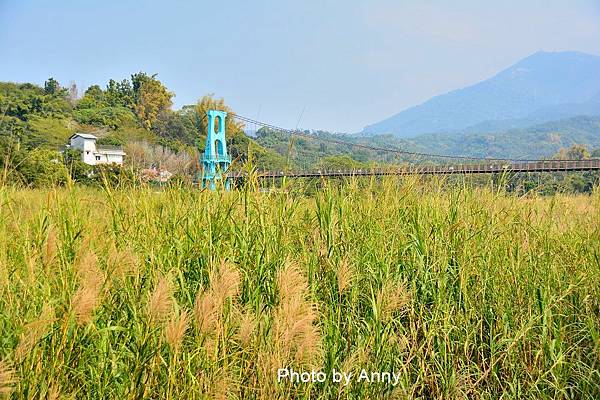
537	141
543	80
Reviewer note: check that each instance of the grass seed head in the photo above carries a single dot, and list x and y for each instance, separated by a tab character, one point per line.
296	336
392	298
33	332
209	304
291	283
32	266
247	327
83	304
308	347
267	364
90	274
50	249
344	276
91	280
220	386
123	262
53	393
206	311
8	379
175	330
160	302
225	282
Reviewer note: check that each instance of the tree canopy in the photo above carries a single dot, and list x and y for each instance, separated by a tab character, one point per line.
135	112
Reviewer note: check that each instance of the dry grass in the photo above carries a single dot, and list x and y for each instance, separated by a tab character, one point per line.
248	326
160	302
296	337
123	263
345	276
34	331
137	293
175	330
208	307
88	296
391	299
7	379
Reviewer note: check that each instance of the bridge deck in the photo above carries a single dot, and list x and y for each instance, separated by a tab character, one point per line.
488	168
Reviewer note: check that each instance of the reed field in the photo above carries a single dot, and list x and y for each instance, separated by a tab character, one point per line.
139	293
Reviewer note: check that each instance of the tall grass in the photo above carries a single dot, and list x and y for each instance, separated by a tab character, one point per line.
178	294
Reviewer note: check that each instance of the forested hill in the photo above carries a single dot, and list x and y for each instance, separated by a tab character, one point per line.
135	113
538	141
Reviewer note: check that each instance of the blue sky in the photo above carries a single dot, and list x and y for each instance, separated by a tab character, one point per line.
347	63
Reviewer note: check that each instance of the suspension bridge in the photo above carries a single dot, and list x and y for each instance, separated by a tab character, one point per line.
540	166
216	161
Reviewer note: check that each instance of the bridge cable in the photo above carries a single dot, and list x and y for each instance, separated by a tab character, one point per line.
376	148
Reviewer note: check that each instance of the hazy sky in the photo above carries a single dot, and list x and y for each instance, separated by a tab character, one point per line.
349	63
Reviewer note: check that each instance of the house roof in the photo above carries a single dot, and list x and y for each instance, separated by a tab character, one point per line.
83	135
109	150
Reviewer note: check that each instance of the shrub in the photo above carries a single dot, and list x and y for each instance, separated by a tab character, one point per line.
43	168
112	117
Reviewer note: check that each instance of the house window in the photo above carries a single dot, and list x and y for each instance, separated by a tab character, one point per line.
87	152
97	158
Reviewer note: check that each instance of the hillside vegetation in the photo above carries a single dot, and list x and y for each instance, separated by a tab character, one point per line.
135	113
534	142
541	141
463	293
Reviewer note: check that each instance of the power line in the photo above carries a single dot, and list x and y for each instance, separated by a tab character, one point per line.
376	148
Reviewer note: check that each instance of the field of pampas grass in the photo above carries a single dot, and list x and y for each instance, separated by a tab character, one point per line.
461	292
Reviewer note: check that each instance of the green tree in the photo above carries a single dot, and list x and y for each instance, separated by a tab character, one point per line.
51	86
137	80
176	126
95	93
112	117
43	167
575	152
342	162
119	93
152	98
110	108
25	100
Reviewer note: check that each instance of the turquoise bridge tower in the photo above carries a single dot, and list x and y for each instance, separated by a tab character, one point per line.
215	161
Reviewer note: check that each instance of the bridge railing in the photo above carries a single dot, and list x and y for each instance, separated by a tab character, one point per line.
494	167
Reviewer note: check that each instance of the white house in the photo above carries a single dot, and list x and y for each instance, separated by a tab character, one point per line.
94	154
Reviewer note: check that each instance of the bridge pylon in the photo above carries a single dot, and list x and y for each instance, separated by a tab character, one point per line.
216	160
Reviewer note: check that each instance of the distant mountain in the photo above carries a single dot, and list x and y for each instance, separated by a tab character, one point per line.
542	87
551	113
